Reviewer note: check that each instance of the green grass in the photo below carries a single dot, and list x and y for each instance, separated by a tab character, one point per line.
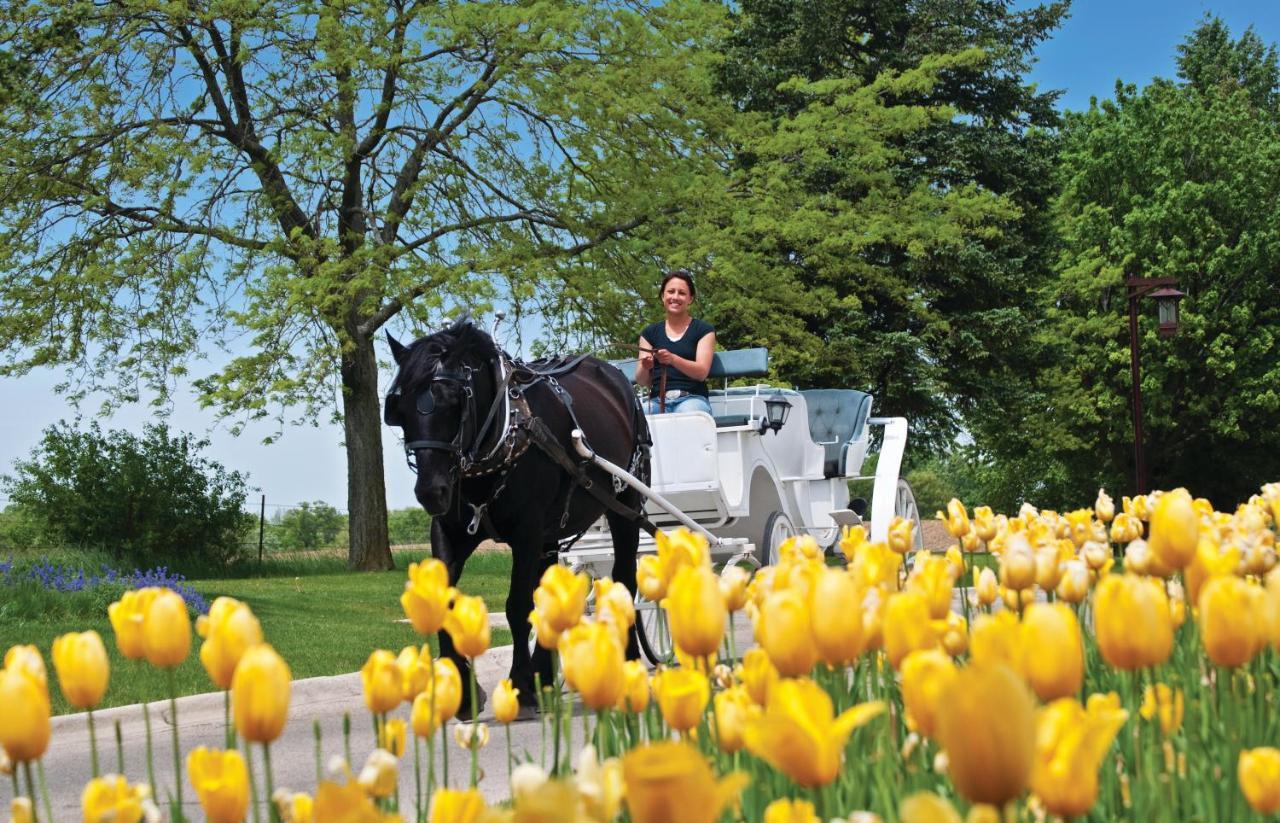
320	618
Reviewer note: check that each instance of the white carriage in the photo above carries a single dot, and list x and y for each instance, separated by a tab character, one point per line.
748	486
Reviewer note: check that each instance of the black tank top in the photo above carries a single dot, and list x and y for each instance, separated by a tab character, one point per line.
686	347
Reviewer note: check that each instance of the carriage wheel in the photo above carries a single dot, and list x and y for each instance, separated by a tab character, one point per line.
904	506
652	633
777	528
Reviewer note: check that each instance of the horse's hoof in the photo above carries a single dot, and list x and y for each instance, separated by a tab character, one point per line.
526	713
465	714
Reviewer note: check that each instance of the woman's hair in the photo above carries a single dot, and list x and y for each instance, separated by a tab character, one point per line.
684	275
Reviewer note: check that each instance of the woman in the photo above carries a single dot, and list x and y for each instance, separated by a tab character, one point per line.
679	347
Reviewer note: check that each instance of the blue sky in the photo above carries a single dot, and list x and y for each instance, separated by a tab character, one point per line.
1133	40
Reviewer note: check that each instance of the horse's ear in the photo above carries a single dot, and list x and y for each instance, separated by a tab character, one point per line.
398	351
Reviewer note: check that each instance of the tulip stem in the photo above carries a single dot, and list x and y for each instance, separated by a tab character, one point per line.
119	749
173	719
475	720
44	791
315	727
510	758
253	783
93	746
272	812
229	731
151	769
542	719
555	698
346	735
31	791
13	775
444	751
417	779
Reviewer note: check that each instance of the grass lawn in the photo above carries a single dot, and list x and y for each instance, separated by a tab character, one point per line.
320	618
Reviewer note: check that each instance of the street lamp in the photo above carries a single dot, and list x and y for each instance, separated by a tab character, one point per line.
1165	292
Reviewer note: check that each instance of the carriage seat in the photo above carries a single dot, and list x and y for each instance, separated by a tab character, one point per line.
836	417
725	365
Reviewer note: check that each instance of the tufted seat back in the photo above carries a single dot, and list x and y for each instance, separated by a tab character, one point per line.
836	416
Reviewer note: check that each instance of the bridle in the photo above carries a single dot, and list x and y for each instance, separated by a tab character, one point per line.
464	458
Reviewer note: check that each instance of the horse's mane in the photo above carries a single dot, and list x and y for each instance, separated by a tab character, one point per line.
461	341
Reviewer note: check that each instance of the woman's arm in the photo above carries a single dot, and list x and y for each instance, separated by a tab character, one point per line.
698	368
644	364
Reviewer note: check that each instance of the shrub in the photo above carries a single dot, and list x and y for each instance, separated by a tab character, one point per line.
309	526
409	526
141	499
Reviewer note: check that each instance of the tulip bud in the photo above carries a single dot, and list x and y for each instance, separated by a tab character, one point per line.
382	681
1174	529
378	777
990	753
635	691
733	587
593	658
506	702
649	580
1018	564
471	735
733	710
1095	554
987	586
956	519
1074	585
696	610
1132	623
1125	528
837	628
467	623
392	736
426	595
1231	620
682	697
1258	771
561	597
110	797
927	677
1164	703
415	670
81	662
260	694
906	626
1104	507
900	529
222	783
25	732
1052	650
166	630
786	633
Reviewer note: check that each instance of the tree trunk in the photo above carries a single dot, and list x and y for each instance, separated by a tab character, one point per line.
369	548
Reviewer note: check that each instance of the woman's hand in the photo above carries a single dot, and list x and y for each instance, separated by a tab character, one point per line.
646	359
664	357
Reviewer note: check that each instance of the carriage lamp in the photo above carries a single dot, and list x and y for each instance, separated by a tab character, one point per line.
776	409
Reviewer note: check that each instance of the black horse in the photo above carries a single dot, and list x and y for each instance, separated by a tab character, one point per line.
490	439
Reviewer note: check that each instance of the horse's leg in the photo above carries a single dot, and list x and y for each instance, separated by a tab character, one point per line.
528	561
625	534
451	545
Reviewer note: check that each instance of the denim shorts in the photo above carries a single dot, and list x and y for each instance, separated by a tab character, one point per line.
683	403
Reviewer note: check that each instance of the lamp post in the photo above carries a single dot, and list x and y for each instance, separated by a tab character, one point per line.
1164	291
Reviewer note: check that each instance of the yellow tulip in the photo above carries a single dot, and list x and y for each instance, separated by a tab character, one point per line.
696	610
800	735
987	587
990	753
593	656
1104	507
955	634
875	565
927	677
294	807
900	529
997	638
682	696
786	810
229	629
1073	587
615	606
1125	528
260	694
758	674
733	710
126	615
1132	623
166	630
348	803
21	810
956	519
110	797
81	662
1166	704
650	583
1070	745
671	781
440	702
1231	620
786	633
426	595
27	658
1258	771
222	783
635	690
1018	564
506	702
467	623
1211	560
836	624
415	670
1052	650
931	577
382	682
852	538
733	587
955	561
380	772
927	807
1048	568
1174	529
392	736
561	598
907	627
24	734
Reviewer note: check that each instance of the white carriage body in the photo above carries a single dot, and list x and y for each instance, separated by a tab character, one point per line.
747	487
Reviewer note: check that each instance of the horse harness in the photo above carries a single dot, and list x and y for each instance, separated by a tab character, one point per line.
522	428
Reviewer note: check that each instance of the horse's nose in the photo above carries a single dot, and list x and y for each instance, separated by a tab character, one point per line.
433	495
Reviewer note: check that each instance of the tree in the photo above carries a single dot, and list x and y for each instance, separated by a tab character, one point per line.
309	526
146	499
919	285
408	526
295	176
1178	179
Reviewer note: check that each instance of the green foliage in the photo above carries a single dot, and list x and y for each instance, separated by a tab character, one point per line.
406	526
309	526
294	177
19	529
1178	179
147	499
